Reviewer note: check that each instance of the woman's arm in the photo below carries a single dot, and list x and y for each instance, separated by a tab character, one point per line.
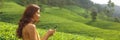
33	33
48	34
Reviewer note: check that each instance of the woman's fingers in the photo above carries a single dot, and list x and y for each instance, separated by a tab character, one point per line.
51	32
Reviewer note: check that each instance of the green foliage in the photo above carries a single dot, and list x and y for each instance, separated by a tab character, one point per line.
8	32
84	3
1	3
1	6
110	8
79	11
11	12
117	20
58	3
70	25
94	15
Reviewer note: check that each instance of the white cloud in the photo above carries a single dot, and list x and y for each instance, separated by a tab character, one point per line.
117	2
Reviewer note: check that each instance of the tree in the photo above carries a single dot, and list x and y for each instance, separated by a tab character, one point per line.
94	14
110	8
116	20
83	3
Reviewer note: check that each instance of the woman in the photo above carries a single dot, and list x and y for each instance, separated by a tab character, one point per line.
27	29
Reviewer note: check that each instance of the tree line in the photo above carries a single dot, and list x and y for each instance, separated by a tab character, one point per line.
59	3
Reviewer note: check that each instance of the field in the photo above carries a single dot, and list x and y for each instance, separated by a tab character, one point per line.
71	22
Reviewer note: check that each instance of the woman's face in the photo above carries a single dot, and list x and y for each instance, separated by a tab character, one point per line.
37	15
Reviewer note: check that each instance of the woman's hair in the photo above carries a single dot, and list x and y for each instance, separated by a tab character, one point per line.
27	18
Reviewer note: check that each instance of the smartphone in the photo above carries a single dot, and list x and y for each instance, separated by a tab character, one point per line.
55	27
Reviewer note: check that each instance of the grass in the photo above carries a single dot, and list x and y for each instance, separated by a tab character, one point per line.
11	12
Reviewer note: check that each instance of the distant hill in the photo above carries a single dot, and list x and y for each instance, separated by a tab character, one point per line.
117	11
117	8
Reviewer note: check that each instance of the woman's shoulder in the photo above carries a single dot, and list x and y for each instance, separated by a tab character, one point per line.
30	26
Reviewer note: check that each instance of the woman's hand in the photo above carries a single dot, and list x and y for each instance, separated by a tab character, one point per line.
50	32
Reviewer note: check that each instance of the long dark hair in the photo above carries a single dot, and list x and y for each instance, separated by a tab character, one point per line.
27	18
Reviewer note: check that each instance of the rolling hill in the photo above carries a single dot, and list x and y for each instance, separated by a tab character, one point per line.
70	22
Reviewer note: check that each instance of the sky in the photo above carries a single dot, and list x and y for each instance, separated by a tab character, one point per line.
117	2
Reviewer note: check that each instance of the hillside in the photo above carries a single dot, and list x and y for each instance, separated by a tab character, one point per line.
8	26
69	24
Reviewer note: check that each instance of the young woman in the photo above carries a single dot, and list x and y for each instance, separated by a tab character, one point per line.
27	29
